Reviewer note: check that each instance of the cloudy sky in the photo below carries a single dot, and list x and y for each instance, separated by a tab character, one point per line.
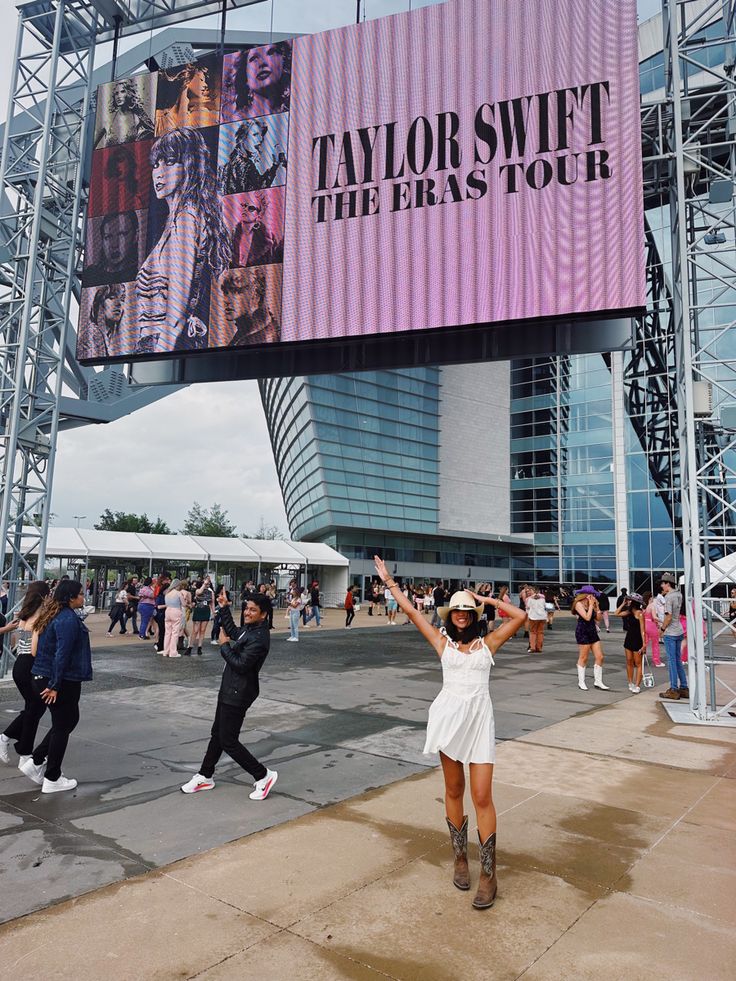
207	443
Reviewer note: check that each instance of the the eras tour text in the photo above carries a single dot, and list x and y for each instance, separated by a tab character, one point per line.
525	143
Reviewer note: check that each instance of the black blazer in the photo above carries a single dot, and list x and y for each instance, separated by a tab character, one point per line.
244	657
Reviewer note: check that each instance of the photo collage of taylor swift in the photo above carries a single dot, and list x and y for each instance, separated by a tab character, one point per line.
185	223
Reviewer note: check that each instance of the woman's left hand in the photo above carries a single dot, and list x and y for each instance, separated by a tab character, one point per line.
48	695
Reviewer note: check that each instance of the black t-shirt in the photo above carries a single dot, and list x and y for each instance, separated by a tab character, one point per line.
438	595
604	604
132	592
314	596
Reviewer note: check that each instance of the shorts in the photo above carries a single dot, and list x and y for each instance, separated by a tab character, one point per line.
201	614
392	606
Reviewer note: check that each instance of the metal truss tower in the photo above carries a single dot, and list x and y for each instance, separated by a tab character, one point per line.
698	135
42	198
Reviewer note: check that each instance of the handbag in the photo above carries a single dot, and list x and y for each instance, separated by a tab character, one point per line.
647	678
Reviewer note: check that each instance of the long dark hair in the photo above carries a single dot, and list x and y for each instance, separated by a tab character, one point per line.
198	193
36	593
65	592
243	94
463	636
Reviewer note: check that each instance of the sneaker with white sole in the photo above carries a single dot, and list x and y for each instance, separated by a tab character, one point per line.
292	640
56	786
4	748
197	783
264	786
33	772
635	689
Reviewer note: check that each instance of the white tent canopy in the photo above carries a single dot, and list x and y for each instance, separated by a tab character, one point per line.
87	543
722	571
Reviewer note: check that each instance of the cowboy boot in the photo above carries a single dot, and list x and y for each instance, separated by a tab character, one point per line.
459	839
581	677
487	885
598	676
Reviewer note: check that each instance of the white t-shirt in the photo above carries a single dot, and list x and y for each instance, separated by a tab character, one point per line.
535	607
387	594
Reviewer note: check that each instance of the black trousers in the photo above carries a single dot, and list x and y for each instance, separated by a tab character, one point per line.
117	615
349	617
161	624
64	719
24	726
224	738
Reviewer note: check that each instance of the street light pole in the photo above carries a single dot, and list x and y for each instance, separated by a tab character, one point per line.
357	11
78	518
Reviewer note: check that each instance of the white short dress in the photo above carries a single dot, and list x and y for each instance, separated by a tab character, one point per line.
461	717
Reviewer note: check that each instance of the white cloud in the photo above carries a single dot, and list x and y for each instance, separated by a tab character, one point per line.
206	443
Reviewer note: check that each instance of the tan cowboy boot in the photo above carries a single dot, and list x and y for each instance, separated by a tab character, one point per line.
487	885
460	876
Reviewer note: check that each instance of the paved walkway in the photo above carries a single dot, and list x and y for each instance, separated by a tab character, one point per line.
617	859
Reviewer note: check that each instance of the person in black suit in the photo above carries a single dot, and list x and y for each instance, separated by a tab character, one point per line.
244	650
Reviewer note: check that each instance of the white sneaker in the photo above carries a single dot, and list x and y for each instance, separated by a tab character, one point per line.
263	787
55	786
215	643
292	640
33	772
4	748
635	689
631	686
197	783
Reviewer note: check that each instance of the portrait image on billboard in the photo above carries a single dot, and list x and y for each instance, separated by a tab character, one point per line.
463	165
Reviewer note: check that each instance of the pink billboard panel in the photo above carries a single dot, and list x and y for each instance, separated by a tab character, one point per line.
476	161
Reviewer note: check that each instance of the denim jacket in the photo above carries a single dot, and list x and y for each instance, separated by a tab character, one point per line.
64	652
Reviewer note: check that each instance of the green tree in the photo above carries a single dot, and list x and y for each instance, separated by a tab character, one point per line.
266	533
212	522
120	521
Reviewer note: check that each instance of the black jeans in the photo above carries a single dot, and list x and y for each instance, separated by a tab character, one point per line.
224	738
24	726
132	614
117	615
161	624
64	719
349	617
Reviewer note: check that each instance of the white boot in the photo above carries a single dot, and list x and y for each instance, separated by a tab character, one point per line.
581	677
598	678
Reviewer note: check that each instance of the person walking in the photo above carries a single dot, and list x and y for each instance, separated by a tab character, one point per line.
294	607
203	608
460	726
392	607
552	606
131	613
173	618
24	726
63	662
536	611
672	632
314	602
651	628
349	607
164	581
438	595
146	606
244	650
732	610
585	608
118	611
634	642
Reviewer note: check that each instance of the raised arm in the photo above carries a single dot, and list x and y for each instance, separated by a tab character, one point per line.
586	609
515	617
429	632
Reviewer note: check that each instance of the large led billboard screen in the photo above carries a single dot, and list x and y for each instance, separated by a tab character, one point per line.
475	162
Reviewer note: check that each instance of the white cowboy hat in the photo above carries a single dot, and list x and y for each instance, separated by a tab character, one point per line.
462	600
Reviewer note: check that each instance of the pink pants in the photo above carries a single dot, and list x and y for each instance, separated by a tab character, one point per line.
172	620
652	632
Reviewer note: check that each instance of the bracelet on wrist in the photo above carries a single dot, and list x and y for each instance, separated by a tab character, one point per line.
391	583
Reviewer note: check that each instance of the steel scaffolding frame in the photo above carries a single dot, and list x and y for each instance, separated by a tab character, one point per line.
42	198
699	138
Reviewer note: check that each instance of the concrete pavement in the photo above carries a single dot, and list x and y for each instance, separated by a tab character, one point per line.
616	833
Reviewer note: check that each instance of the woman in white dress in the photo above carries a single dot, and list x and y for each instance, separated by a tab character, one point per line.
460	725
